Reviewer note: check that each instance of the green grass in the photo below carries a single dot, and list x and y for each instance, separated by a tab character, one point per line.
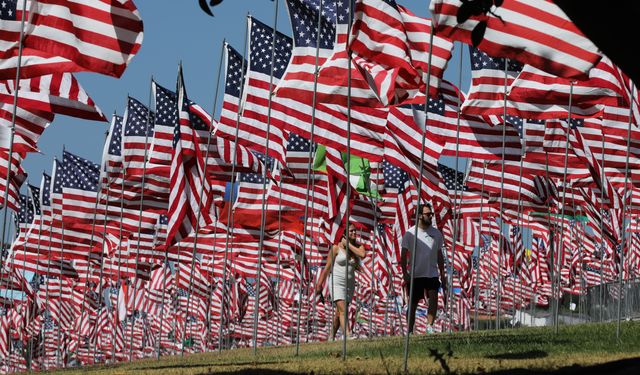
575	349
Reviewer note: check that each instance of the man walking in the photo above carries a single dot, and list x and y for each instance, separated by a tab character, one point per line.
428	270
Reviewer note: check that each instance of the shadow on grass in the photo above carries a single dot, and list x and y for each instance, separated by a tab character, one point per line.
211	365
532	354
622	367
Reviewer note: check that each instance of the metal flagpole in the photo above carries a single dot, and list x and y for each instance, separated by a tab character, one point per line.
417	217
501	213
265	172
310	155
602	239
624	197
201	192
456	217
37	274
215	228
230	211
141	208
13	127
520	209
476	295
113	337
277	291
165	265
93	232
348	208
46	299
564	195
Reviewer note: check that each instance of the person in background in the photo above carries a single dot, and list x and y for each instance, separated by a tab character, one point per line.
428	272
341	281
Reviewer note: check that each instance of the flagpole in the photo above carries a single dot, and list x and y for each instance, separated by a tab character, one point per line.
418	213
624	197
501	213
165	265
309	161
517	267
37	264
348	208
204	179
456	218
602	239
230	211
215	228
13	127
102	258
113	337
277	291
265	171
564	195
477	286
93	231
141	210
46	299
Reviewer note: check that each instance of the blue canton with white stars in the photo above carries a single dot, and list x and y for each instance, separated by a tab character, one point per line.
79	173
436	106
166	106
480	60
304	23
235	72
138	120
394	177
453	179
46	190
57	177
262	46
115	144
298	143
8	10
35	198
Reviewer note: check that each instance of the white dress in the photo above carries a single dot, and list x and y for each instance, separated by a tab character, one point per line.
337	281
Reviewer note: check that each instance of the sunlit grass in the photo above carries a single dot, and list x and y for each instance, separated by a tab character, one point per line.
537	349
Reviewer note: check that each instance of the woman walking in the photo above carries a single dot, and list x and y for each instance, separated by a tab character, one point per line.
341	280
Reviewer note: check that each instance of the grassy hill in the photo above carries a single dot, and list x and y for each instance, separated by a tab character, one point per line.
580	349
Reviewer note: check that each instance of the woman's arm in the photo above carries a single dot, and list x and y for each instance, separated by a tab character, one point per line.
326	270
357	250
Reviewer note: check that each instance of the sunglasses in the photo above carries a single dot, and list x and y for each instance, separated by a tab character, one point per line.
428	214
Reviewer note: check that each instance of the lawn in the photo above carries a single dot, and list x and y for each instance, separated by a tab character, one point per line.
579	349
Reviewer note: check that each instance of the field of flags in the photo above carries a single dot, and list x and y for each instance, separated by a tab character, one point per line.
200	232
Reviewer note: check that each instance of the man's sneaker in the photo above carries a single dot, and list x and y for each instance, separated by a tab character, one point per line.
430	330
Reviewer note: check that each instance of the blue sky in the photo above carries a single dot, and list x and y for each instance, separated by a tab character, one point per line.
172	34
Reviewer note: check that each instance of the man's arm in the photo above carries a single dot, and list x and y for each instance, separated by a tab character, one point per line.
404	252
443	275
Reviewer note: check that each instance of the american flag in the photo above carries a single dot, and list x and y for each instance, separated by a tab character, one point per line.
30	124
258	107
540	95
189	199
60	40
16	178
386	38
295	90
59	93
537	33
137	132
489	80
166	108
235	70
